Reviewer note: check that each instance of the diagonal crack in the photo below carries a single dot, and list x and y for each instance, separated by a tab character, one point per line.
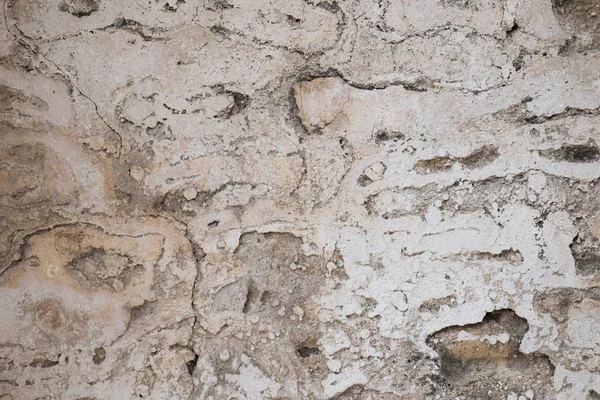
24	43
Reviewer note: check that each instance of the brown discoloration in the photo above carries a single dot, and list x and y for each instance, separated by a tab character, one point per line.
477	159
50	315
473	357
79	8
580	19
576	153
58	254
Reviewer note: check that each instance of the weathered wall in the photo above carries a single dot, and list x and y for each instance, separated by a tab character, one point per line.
299	199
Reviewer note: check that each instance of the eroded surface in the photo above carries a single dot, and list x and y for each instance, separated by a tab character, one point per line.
295	199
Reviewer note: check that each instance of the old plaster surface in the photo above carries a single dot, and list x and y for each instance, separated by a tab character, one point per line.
299	199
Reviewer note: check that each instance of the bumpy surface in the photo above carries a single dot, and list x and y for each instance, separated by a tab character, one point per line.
299	199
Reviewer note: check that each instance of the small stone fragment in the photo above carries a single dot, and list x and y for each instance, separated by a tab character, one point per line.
375	172
190	193
224	355
334	365
299	312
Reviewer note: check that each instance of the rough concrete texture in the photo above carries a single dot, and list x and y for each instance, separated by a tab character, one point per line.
300	199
